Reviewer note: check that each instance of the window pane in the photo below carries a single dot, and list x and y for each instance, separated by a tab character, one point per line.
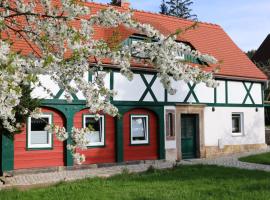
138	128
95	135
95	124
39	124
170	125
39	137
135	53
236	123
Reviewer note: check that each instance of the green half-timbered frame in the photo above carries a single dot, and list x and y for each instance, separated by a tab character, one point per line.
165	101
7	152
248	95
148	88
191	93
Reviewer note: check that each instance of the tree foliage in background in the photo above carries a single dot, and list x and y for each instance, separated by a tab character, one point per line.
163	8
116	2
251	53
178	8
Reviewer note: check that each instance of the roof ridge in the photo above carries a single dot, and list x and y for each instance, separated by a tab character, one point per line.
157	14
176	18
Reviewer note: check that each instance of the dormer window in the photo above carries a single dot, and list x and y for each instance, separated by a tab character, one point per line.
143	54
180	55
134	41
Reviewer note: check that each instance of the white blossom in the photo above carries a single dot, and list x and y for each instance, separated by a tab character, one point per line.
62	51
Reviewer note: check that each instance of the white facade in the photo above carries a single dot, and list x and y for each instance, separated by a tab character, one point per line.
238	92
229	97
218	126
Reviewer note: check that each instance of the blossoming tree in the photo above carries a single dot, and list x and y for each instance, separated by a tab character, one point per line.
65	52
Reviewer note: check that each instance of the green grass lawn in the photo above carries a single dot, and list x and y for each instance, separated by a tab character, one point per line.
184	182
263	158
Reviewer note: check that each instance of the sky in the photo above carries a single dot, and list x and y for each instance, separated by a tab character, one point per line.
246	21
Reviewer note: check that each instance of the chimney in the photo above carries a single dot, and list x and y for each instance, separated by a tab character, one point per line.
125	4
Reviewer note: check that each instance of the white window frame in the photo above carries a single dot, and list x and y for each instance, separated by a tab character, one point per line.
94	144
241	133
136	142
180	55
29	132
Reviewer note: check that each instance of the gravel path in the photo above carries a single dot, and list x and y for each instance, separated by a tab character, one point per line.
48	178
231	161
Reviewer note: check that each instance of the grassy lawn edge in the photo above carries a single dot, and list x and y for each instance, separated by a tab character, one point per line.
263	158
182	182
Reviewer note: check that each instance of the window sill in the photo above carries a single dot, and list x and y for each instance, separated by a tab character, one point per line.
96	146
170	138
39	148
238	135
139	144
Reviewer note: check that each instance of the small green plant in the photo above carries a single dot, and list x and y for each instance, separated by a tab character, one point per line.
175	165
151	169
125	171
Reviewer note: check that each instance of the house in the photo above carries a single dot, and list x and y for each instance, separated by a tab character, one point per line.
262	59
262	55
196	122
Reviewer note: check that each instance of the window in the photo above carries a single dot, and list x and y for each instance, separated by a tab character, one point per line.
139	54
38	137
96	136
237	124
170	124
179	54
139	129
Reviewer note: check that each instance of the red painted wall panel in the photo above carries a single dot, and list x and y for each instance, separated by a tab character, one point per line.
140	152
95	155
24	159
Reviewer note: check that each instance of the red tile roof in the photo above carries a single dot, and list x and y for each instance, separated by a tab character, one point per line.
206	38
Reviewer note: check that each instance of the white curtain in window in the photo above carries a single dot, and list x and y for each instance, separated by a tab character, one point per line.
39	137
138	126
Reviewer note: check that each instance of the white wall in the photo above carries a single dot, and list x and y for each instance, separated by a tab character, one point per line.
237	93
39	92
133	90
218	125
128	90
221	97
204	94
